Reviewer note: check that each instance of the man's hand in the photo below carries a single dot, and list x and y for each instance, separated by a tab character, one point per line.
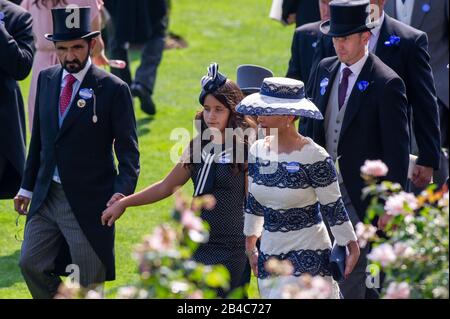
422	176
21	204
114	198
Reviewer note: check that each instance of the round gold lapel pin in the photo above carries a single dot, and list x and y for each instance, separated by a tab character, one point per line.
81	103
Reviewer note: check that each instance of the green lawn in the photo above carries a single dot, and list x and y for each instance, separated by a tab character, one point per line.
224	31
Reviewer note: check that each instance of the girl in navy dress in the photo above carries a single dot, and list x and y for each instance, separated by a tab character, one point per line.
219	173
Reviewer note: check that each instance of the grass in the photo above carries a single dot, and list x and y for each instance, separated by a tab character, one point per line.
228	32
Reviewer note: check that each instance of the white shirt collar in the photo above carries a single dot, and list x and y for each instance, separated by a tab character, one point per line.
80	75
357	67
379	23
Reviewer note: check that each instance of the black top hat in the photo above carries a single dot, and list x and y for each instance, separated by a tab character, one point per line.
71	23
251	77
348	17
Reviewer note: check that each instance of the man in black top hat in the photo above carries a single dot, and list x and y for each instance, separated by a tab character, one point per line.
16	58
405	50
83	115
365	108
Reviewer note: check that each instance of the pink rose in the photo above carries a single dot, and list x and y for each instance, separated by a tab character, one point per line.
398	291
384	254
190	221
374	168
395	205
365	233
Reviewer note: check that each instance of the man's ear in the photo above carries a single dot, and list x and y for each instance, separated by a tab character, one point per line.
92	44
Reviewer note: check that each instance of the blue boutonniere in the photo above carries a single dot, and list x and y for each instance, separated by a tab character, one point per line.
393	40
426	8
2	16
363	85
323	86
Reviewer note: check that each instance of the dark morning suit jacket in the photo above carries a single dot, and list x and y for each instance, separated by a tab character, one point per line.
411	61
303	49
16	59
435	23
375	124
84	151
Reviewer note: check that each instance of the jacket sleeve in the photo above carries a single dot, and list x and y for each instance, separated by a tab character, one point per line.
125	141
16	53
294	69
33	160
422	97
394	130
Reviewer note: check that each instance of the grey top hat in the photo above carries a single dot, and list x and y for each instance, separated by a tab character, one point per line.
250	77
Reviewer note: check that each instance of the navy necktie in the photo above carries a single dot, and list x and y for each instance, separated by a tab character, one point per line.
343	86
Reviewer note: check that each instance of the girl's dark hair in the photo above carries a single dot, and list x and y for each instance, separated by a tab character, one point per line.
53	2
230	95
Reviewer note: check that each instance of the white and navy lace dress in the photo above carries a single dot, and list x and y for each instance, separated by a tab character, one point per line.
288	197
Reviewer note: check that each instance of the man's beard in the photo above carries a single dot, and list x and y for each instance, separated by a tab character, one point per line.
74	66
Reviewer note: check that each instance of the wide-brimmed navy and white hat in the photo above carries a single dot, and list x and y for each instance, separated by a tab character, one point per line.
280	96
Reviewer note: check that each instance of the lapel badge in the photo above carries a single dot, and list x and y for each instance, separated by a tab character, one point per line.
323	86
86	94
81	103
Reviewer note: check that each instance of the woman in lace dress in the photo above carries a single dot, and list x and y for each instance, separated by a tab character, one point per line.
292	187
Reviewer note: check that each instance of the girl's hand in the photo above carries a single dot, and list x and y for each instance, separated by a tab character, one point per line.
352	258
112	213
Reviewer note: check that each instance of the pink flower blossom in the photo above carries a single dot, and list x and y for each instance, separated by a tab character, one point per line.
384	254
403	250
162	239
279	267
395	205
308	287
398	291
374	168
365	233
190	221
198	294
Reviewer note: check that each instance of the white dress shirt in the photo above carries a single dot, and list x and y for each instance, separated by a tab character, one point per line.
376	34
405	11
356	69
80	77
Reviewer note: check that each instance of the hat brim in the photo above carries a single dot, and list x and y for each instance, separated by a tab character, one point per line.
71	37
325	28
250	90
263	105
